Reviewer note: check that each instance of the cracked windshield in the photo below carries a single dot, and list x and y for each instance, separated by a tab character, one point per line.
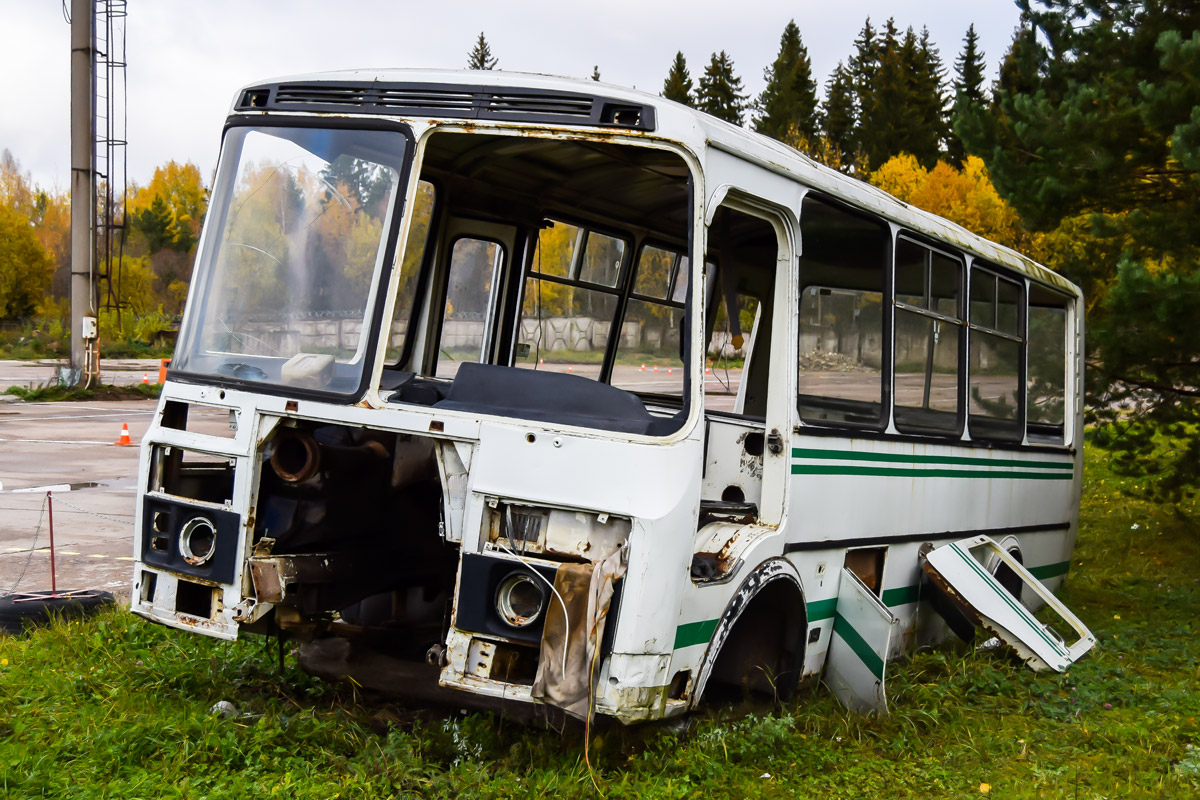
303	216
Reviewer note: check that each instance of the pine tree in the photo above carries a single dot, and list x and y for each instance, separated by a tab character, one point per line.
927	101
720	91
481	56
1098	125
883	94
838	115
678	86
968	91
902	107
787	107
862	68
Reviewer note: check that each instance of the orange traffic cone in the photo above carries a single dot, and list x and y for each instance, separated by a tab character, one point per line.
124	441
145	378
570	368
643	369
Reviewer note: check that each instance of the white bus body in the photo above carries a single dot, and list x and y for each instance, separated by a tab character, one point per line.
474	332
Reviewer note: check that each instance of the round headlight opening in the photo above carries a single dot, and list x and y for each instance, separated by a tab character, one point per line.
197	541
519	599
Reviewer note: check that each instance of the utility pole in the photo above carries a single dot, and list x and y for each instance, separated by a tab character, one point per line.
83	192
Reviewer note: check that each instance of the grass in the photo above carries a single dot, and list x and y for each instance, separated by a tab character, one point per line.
116	707
55	392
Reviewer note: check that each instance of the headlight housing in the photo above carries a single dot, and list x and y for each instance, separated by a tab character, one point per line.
520	599
197	540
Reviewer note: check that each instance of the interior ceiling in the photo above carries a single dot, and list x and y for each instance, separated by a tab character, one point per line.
644	186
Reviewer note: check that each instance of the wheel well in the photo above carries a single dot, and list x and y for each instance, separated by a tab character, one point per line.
764	651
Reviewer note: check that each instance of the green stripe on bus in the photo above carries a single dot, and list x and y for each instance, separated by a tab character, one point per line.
819	610
691	633
1049	570
840	469
902	458
860	647
901	595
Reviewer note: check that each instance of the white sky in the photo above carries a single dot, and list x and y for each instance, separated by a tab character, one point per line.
187	59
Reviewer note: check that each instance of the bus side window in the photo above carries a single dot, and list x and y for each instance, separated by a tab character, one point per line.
474	266
1045	390
928	333
994	364
845	257
569	301
648	359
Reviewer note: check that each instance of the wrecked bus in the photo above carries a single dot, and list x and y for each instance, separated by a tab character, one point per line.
554	395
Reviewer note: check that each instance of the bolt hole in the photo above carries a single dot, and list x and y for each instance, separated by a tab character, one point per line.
529	437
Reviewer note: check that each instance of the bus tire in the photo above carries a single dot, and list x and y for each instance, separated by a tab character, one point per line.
37	608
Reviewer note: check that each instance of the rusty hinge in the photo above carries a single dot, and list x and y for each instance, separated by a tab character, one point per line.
775	442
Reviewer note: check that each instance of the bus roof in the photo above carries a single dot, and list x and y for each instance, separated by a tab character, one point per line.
670	120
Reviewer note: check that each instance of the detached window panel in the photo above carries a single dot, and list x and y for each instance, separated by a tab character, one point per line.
845	258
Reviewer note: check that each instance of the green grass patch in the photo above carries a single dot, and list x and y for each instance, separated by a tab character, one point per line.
54	392
117	707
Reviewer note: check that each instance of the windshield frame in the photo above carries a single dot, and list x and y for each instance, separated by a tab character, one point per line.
381	277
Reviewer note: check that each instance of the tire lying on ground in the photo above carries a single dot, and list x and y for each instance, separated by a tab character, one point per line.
37	608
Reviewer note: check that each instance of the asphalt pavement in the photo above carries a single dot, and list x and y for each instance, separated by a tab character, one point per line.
60	460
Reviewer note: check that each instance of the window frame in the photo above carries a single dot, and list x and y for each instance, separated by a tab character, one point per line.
931	247
980	266
887	315
498	270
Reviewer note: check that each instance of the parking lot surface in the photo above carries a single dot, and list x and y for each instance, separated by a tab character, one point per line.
68	451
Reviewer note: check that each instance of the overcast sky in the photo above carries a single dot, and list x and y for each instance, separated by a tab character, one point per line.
187	59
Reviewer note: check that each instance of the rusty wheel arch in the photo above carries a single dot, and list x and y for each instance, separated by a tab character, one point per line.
774	574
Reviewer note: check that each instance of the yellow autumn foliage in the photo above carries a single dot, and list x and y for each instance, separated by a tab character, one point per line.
965	196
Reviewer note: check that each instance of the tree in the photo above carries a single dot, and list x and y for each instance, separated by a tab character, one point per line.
968	90
184	198
1094	116
901	97
964	195
720	91
678	86
838	116
481	56
788	103
25	266
928	99
156	225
